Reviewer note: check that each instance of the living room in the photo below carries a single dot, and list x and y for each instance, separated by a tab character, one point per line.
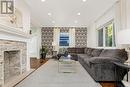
59	43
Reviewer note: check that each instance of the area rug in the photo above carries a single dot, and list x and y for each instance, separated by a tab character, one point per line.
48	76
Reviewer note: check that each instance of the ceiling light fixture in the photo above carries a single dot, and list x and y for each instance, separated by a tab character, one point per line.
43	0
84	0
49	14
79	13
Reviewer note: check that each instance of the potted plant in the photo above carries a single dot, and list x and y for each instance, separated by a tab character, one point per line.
43	52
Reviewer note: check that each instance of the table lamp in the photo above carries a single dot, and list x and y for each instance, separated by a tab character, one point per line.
53	44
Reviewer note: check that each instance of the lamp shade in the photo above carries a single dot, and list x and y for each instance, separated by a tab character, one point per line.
124	37
53	44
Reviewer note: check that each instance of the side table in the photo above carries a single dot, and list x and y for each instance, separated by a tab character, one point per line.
54	54
123	65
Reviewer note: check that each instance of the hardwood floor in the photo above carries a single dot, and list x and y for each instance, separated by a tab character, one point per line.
108	84
36	63
112	84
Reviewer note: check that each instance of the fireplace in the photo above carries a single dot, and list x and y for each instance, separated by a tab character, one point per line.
13	60
12	65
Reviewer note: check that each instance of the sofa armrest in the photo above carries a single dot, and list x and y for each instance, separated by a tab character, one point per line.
103	60
108	70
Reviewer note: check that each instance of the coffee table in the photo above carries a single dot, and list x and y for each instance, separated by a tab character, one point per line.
66	65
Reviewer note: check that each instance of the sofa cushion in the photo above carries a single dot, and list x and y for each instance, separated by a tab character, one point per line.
120	54
71	50
86	61
96	52
74	56
103	60
80	50
83	56
85	50
89	51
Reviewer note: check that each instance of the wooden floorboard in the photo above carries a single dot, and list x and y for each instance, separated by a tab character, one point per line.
108	84
36	63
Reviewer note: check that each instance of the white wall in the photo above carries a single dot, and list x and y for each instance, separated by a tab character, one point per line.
91	36
106	17
33	46
128	13
35	43
22	15
24	9
119	12
92	29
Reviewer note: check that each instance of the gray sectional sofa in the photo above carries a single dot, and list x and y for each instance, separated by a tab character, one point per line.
99	63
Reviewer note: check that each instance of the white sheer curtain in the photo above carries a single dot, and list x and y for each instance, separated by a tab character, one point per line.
56	37
72	37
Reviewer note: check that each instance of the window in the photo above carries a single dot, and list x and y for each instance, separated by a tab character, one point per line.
100	37
106	36
64	39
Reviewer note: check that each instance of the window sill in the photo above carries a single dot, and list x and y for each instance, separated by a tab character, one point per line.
107	47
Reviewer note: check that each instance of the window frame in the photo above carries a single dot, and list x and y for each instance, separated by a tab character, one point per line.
68	39
104	34
98	37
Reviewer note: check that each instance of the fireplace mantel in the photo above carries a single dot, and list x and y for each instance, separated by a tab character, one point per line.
12	38
14	31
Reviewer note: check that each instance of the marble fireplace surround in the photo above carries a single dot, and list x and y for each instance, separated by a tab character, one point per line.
18	51
12	64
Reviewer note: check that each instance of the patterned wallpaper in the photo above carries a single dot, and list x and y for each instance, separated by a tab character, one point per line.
47	38
48	32
81	37
64	29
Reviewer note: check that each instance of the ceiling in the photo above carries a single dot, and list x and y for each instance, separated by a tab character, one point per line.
64	12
